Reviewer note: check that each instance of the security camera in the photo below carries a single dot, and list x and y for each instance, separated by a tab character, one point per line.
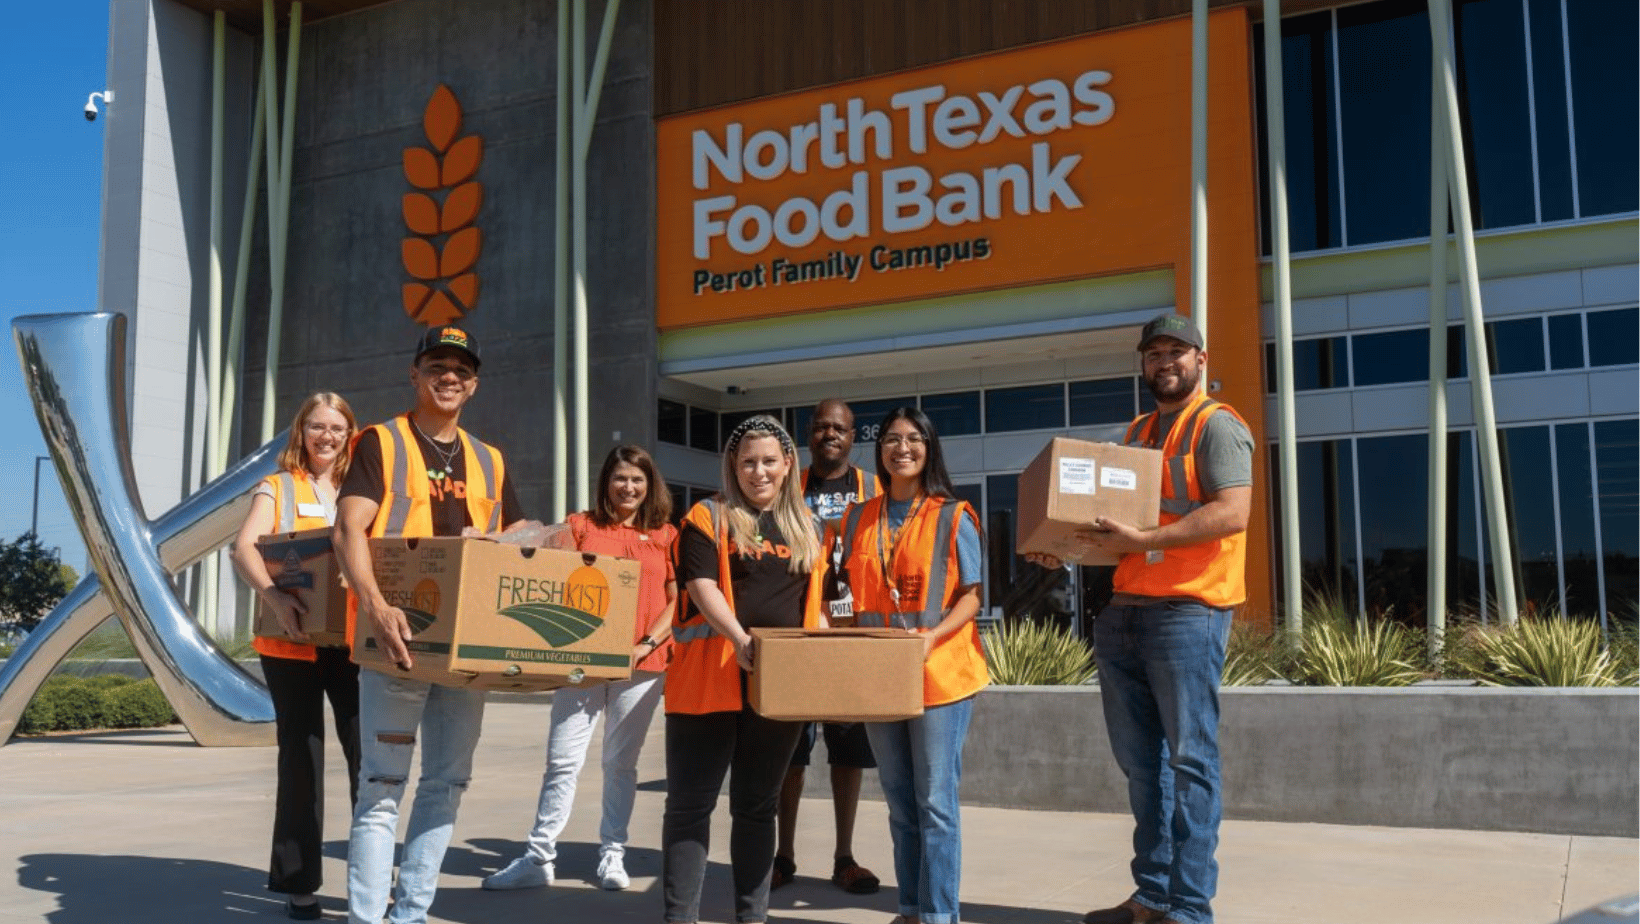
107	96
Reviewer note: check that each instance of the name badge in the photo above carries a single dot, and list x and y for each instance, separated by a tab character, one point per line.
310	510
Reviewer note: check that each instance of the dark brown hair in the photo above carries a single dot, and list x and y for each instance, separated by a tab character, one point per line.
656	509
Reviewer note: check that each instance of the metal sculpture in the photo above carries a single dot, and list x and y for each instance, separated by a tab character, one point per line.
74	365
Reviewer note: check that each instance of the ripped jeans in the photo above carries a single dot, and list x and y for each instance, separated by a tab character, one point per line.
393	714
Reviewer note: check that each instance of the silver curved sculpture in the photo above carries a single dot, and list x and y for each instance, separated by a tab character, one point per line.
74	365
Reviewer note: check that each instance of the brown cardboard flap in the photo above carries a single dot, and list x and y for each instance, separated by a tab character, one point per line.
768	633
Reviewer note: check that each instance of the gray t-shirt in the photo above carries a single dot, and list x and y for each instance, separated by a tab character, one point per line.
1224	456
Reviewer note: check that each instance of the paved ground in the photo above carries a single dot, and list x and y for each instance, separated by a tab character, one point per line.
146	827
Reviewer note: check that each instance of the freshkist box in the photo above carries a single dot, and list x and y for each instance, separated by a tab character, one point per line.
1072	482
836	675
302	564
496	616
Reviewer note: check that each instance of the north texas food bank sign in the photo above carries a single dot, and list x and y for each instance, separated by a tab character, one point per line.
1047	163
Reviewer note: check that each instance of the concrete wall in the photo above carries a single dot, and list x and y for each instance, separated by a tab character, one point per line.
365	79
1552	761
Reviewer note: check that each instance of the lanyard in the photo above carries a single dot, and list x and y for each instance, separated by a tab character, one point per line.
887	549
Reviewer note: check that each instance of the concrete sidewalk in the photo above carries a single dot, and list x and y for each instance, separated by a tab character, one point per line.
146	827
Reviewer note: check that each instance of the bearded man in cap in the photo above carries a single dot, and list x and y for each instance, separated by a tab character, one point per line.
1160	642
418	474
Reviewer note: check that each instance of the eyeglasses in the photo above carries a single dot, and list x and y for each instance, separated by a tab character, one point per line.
319	429
895	441
440	370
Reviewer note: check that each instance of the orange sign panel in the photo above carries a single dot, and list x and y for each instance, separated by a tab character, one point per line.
1052	162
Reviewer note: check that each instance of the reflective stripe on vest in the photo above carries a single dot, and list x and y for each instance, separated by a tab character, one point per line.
399	502
1177	501
865	486
934	592
287	502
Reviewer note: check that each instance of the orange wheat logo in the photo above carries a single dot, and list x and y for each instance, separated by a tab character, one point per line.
443	247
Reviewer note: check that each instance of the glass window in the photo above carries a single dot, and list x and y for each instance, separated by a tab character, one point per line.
1326	518
1463	539
1383	65
1102	401
954	413
868	415
800	417
680	501
703	429
1554	144
1617	458
1311	125
1566	341
1492	96
1394	356
1524	454
1393	476
1614	337
1515	345
1002	565
671	422
1579	550
1605	103
1457	352
1317	363
1030	407
729	420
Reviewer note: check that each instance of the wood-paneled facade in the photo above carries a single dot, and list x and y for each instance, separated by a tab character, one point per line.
714	52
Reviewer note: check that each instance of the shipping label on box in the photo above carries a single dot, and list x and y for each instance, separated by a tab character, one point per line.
1072	482
491	615
302	564
837	675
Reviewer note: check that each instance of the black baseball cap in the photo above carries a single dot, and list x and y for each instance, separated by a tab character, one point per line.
453	337
1172	325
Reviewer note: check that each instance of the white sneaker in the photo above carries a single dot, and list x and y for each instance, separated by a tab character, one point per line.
522	873
612	874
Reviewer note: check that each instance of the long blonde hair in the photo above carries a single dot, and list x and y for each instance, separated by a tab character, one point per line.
791	515
293	458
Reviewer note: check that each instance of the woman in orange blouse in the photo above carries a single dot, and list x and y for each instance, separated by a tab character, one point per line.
630	521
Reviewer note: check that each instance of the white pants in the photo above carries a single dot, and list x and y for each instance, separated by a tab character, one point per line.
630	705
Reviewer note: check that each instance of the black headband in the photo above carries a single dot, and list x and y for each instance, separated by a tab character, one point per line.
760	424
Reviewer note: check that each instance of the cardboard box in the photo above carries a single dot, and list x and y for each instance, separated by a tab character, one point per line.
1071	482
302	564
837	675
496	616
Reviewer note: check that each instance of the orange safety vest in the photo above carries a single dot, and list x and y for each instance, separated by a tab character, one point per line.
703	676
924	566
407	506
291	491
1214	572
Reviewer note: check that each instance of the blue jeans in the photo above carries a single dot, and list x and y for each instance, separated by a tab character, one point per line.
391	710
920	764
1159	670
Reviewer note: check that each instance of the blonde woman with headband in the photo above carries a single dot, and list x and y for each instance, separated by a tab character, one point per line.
300	676
748	558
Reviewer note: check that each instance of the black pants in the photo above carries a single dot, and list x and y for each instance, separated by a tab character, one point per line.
299	690
700	749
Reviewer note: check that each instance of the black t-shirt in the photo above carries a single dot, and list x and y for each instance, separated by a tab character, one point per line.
765	593
447	488
829	497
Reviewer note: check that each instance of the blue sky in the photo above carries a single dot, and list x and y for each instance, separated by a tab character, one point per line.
54	54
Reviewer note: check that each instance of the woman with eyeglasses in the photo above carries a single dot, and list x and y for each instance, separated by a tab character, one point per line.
913	557
300	676
750	557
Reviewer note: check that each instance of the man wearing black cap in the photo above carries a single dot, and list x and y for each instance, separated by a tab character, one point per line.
418	474
1160	643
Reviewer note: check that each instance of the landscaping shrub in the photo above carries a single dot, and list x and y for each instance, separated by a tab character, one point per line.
1251	658
66	703
139	705
1024	652
1340	651
1543	651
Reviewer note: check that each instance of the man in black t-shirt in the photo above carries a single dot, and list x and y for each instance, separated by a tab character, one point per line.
410	477
830	485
